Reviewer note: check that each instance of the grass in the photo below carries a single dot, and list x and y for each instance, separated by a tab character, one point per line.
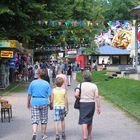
124	93
96	76
13	88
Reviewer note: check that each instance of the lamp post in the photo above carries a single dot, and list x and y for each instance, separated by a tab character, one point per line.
136	13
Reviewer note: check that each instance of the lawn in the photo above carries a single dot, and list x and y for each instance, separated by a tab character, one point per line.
14	88
124	93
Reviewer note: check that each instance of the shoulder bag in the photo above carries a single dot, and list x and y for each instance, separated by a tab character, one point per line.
77	101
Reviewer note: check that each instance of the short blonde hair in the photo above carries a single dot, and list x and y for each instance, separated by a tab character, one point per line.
59	81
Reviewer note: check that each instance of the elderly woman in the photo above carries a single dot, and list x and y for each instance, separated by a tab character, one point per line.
89	95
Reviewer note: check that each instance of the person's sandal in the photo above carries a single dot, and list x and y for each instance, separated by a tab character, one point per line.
63	136
34	137
57	137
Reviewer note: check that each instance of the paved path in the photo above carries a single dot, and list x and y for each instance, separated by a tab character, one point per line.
112	124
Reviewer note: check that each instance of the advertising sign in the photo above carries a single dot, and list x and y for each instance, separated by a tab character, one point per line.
72	51
8	43
4	44
6	54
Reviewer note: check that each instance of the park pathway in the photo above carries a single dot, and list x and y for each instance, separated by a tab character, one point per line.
111	124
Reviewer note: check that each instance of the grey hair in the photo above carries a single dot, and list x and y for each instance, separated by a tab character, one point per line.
87	76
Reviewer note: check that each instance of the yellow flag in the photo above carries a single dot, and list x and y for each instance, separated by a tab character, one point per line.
88	23
46	22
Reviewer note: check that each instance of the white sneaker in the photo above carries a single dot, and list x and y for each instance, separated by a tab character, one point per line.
44	137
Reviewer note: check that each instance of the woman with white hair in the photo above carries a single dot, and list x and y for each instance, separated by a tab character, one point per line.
89	96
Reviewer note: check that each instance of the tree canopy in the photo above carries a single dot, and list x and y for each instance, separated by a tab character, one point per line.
23	20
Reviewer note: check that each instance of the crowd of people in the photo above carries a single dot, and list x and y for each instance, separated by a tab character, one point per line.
48	89
30	72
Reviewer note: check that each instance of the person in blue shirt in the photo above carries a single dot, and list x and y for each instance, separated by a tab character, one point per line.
39	95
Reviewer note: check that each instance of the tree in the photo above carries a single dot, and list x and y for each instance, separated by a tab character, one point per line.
68	12
24	19
118	9
19	19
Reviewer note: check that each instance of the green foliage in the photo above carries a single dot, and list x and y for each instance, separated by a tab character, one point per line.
97	76
5	10
118	9
19	19
14	88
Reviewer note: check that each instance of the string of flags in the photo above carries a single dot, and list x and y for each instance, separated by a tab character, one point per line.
54	47
69	31
74	41
68	23
85	23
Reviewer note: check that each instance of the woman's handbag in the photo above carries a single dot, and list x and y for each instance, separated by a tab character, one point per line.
77	101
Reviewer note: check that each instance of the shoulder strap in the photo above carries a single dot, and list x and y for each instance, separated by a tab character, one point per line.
80	90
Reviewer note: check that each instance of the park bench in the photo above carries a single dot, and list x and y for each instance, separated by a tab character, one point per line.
5	108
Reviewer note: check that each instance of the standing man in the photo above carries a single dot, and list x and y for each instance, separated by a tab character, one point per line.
39	95
69	74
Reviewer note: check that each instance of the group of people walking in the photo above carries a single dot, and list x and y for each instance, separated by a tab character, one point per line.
53	70
41	97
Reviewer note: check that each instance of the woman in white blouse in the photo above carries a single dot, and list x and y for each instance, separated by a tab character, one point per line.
89	96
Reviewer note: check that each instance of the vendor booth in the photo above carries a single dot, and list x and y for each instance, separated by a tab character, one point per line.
8	50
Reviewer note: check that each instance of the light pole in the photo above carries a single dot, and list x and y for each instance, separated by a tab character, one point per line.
136	13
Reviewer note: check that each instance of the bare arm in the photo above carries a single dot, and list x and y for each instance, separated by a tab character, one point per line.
28	101
51	98
97	98
66	102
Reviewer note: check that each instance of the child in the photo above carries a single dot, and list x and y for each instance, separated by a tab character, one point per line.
60	105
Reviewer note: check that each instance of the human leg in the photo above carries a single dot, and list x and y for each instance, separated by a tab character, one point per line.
89	128
34	128
84	131
56	127
56	130
63	129
43	130
34	131
35	121
63	125
44	120
69	80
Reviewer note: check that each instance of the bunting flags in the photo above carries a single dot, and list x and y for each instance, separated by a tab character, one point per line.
68	23
55	47
85	23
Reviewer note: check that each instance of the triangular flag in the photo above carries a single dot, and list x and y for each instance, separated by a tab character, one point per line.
88	23
46	22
